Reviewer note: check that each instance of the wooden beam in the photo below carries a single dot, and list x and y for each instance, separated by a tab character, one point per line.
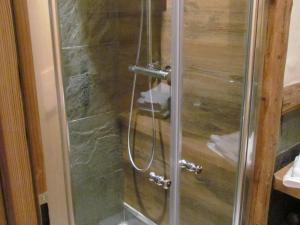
279	13
28	86
14	155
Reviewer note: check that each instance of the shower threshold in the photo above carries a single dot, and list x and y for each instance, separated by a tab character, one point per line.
134	217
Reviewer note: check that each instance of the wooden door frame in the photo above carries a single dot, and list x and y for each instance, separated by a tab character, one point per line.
15	165
21	135
278	16
271	99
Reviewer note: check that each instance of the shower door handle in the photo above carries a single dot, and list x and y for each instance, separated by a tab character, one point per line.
160	181
191	167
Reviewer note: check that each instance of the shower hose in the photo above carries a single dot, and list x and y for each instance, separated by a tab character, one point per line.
150	160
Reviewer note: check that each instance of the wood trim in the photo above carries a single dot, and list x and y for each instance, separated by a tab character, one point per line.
291	98
28	86
14	155
3	220
279	13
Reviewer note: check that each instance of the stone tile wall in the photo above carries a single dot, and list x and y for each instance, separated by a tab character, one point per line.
89	40
98	42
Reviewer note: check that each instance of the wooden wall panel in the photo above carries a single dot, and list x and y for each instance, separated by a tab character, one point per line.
279	12
14	155
28	86
214	55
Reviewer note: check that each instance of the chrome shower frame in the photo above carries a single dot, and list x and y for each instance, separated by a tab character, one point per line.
257	23
59	184
257	17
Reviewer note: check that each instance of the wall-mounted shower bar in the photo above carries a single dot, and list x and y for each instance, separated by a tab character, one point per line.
149	30
151	72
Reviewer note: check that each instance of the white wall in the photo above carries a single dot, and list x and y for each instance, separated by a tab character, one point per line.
292	71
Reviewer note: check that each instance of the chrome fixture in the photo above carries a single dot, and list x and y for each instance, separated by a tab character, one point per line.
189	166
139	47
160	180
152	71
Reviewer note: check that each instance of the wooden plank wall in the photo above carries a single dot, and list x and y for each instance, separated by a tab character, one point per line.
279	12
15	164
214	50
214	54
129	24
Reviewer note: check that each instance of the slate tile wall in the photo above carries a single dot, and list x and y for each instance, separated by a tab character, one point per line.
89	41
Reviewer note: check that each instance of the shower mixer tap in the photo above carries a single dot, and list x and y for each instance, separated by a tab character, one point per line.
152	70
189	166
160	181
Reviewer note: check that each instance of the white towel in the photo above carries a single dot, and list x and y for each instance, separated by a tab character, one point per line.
292	177
161	95
228	146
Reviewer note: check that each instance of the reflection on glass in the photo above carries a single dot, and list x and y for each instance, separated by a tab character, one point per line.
116	58
213	81
102	40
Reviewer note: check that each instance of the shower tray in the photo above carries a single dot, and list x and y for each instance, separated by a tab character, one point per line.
134	217
128	216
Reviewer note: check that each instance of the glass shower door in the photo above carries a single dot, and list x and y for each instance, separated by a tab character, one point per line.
115	59
153	95
146	148
215	61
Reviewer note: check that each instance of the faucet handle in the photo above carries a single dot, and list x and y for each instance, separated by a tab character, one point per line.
191	167
152	177
160	181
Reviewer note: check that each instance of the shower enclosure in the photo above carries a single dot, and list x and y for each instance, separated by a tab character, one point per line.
157	102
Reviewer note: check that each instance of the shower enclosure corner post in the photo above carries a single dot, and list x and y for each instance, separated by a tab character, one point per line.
63	196
254	66
176	107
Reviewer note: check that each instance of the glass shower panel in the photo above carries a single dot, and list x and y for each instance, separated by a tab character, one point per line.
141	195
215	46
111	51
